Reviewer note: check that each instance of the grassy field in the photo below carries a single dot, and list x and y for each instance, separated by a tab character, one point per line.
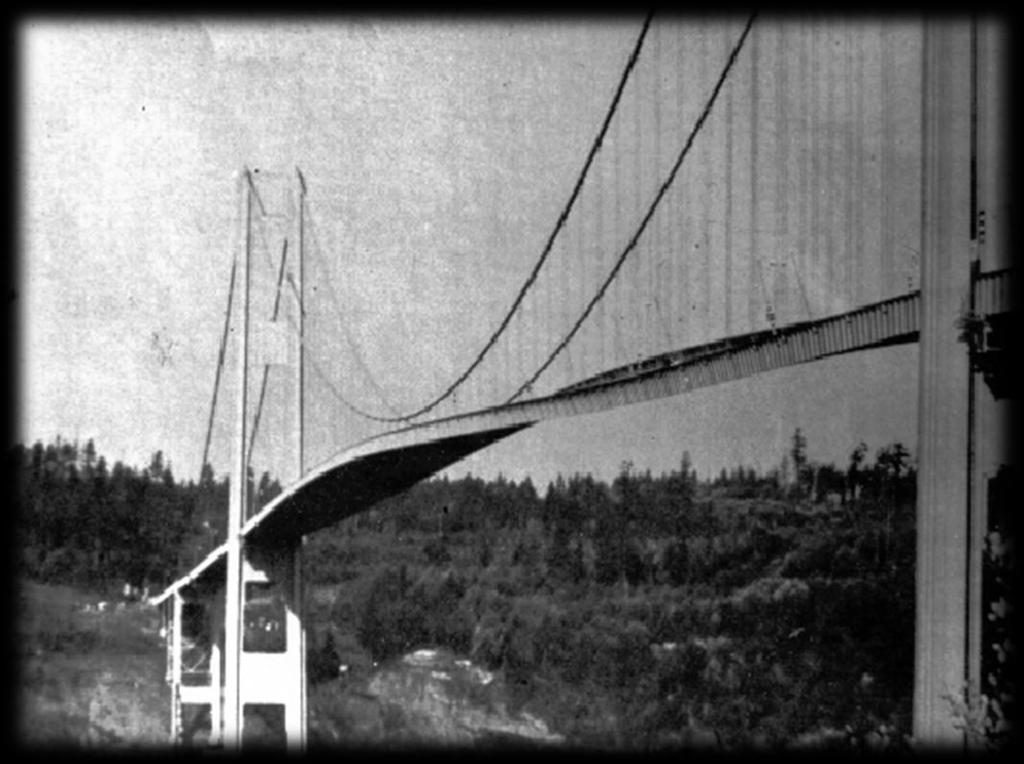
88	679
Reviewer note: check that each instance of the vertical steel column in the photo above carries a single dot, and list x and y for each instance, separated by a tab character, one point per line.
942	497
260	676
301	319
991	226
298	592
237	504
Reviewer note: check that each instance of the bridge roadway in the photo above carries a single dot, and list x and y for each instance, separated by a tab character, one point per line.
357	478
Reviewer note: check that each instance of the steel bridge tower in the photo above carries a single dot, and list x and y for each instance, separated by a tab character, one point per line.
962	421
243	627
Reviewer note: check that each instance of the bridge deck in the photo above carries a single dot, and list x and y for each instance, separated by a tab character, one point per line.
359	477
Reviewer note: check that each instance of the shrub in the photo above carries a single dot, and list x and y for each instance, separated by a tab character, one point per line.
391	623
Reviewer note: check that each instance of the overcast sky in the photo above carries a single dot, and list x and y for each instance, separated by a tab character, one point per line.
437	157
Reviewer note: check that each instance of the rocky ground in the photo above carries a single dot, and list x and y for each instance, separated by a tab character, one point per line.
94	679
88	678
430	697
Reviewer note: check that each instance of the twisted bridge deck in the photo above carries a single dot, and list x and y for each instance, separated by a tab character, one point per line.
359	477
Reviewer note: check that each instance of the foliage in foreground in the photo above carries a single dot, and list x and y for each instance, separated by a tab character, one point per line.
655	611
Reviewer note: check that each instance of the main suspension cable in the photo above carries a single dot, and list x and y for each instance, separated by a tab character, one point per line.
646	219
559	224
220	366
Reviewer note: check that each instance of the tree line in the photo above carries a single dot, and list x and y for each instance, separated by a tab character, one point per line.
82	522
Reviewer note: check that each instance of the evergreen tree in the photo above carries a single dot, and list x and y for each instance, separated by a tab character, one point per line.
677	562
854	479
798	453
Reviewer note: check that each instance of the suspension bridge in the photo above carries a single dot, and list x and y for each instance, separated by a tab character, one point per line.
756	194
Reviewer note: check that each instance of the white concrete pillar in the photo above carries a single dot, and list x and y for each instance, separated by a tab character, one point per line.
295	721
216	676
176	645
278	678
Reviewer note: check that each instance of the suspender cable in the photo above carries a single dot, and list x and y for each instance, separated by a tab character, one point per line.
782	195
886	214
805	242
652	283
812	252
637	319
861	186
616	306
754	217
599	233
678	289
830	172
705	293
850	187
728	214
577	248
